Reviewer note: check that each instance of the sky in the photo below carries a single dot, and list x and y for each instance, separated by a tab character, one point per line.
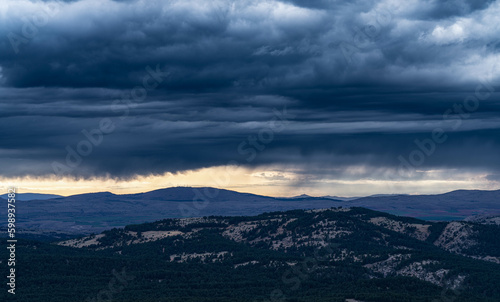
280	98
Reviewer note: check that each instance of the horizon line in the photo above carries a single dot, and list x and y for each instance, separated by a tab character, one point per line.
233	190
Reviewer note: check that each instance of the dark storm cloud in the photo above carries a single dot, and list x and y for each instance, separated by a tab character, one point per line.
361	81
446	9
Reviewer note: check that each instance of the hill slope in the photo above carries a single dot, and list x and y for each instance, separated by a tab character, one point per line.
316	255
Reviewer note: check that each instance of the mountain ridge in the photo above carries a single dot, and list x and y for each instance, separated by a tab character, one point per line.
373	246
31	196
95	212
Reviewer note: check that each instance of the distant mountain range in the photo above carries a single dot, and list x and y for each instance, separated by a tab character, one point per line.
354	198
31	196
455	205
95	212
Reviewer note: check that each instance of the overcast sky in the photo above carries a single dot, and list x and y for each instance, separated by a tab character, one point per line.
321	96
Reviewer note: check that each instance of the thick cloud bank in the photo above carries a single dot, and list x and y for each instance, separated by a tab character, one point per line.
124	88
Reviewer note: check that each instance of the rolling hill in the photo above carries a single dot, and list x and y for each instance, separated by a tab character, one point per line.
95	212
337	254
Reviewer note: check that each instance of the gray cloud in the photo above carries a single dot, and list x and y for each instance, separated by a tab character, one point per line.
363	80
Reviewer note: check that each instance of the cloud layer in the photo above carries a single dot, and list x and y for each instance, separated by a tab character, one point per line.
187	85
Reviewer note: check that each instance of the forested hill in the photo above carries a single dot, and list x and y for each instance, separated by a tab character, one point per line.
316	255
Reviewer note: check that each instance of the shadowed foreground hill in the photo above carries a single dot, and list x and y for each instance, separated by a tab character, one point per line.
317	255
